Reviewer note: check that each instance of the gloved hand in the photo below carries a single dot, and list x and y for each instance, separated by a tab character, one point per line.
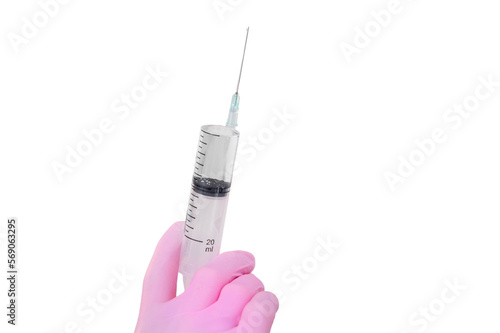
223	296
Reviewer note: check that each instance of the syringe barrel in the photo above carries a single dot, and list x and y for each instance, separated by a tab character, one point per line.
206	213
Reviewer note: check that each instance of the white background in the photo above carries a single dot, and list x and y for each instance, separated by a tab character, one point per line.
322	175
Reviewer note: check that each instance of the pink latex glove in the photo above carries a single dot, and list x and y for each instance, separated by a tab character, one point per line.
222	297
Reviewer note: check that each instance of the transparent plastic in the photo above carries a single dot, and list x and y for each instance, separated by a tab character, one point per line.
209	197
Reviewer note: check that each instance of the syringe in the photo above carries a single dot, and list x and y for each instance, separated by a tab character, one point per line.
213	173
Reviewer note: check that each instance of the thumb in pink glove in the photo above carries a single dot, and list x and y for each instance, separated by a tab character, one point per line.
223	296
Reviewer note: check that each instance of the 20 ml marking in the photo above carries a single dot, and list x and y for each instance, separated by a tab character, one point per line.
12	271
210	242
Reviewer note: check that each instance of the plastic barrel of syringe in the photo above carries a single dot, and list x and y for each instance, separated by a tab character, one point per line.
206	213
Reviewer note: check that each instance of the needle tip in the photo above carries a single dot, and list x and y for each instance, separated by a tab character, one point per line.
242	60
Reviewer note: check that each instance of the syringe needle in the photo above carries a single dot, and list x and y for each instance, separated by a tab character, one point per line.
232	119
242	60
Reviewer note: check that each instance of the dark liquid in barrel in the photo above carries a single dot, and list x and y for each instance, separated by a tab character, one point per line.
211	187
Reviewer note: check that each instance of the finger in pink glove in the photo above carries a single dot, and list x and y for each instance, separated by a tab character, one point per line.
223	297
